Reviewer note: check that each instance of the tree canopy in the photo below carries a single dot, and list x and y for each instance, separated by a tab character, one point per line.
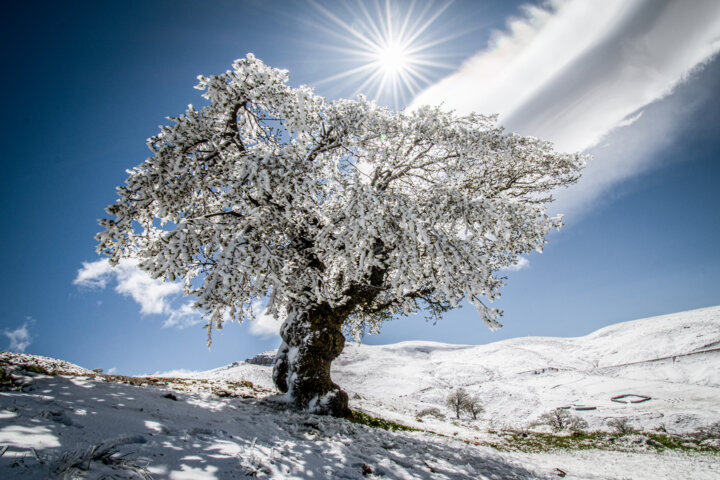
272	192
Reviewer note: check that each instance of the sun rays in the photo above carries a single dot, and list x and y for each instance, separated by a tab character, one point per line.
387	52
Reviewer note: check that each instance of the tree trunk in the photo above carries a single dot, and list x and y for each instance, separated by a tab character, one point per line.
312	339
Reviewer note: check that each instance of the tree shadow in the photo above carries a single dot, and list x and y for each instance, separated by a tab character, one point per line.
207	437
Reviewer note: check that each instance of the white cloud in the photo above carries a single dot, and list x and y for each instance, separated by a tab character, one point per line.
582	69
94	274
19	338
629	120
183	317
179	373
153	295
522	262
264	325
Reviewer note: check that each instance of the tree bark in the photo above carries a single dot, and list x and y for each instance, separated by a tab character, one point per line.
312	339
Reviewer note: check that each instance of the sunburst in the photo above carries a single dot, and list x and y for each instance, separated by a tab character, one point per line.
386	52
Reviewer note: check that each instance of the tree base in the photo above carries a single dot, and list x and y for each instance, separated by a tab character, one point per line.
333	403
311	341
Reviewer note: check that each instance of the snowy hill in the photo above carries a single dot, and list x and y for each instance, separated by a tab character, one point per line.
673	359
221	424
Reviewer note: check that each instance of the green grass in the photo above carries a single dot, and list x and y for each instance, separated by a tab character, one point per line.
535	442
544	442
36	369
363	418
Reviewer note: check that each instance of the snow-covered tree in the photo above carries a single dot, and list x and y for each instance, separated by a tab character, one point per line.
561	419
456	401
339	214
473	406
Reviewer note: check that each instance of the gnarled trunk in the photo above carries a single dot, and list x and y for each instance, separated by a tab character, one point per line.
312	339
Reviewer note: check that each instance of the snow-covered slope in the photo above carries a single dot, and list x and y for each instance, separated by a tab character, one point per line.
47	364
673	359
211	426
85	427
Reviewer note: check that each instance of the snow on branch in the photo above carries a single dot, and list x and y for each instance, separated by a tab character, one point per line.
272	190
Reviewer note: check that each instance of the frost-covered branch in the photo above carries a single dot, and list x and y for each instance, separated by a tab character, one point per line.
270	189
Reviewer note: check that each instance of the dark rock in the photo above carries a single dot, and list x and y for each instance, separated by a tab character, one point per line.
262	359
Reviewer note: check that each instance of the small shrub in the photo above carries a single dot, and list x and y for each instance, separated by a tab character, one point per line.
710	432
561	419
431	412
77	464
621	425
223	393
473	406
456	400
6	380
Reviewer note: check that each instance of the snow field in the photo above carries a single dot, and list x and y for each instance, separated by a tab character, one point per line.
87	427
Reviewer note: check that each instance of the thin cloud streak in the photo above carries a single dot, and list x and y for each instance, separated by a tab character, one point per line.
580	70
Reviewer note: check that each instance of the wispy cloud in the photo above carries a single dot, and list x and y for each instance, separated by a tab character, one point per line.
19	338
521	263
182	317
578	70
94	274
179	373
153	295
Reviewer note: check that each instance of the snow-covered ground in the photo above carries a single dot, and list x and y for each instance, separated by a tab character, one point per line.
67	423
673	359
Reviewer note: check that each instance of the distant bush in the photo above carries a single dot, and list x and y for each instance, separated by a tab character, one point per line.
461	401
712	431
431	412
561	419
621	425
473	406
456	400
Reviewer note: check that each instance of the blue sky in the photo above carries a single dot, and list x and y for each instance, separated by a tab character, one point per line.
633	83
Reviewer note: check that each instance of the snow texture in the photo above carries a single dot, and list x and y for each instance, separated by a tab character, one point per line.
199	435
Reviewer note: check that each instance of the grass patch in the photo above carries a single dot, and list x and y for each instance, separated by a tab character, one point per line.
540	442
533	442
33	368
6	380
363	418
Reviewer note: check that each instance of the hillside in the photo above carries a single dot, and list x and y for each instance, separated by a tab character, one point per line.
58	420
673	359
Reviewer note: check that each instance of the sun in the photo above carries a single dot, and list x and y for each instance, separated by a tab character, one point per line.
387	51
393	59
